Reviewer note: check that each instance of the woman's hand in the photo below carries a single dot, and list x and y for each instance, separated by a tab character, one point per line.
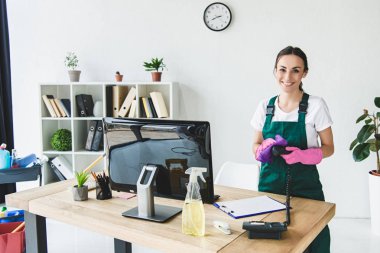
310	156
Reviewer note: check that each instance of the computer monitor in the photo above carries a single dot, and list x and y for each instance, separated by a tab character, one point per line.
172	145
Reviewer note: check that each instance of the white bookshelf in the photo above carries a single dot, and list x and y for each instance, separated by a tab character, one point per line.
78	156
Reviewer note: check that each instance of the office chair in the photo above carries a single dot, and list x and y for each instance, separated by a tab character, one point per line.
239	175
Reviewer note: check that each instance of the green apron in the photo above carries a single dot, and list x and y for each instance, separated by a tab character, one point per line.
304	178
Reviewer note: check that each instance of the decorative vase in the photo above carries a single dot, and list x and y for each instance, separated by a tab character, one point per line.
80	193
98	109
74	75
374	201
156	76
119	78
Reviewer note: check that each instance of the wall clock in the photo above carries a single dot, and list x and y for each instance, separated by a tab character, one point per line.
217	16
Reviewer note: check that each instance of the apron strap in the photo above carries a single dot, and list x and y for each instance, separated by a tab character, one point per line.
302	110
270	111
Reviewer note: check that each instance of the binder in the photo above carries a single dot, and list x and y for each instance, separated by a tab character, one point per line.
119	93
127	102
159	104
66	106
250	206
147	109
109	108
49	106
132	111
63	166
91	134
85	105
98	137
56	171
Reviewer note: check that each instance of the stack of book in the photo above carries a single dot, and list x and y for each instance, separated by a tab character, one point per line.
57	107
153	106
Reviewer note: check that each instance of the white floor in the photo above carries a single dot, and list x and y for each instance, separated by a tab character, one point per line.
347	235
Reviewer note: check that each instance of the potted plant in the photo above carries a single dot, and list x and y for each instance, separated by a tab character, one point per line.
155	65
80	191
61	140
368	140
71	62
118	77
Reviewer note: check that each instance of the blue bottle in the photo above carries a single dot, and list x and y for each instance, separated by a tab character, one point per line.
5	158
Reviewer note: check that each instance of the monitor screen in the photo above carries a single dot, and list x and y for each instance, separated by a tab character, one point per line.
172	145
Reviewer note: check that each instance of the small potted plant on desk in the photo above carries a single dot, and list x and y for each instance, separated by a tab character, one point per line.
155	65
71	62
80	191
368	140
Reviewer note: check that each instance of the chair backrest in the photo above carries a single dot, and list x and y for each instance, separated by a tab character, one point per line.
239	175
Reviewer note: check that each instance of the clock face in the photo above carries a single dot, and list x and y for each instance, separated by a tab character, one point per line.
217	16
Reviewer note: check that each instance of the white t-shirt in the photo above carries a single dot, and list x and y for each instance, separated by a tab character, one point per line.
317	118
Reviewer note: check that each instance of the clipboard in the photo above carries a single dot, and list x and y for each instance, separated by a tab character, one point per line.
250	206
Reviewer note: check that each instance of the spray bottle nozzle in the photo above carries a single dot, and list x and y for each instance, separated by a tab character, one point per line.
196	172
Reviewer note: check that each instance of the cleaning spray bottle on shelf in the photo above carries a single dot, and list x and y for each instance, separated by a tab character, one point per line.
5	158
193	213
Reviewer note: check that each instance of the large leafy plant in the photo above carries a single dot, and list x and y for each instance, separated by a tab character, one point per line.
155	64
368	138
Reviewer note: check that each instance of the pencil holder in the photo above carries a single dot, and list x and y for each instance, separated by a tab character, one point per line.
103	191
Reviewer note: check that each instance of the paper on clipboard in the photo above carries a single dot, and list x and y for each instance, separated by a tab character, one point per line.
250	206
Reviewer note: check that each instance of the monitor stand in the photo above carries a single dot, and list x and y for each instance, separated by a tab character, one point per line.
146	208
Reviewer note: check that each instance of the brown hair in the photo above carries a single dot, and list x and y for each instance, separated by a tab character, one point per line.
289	50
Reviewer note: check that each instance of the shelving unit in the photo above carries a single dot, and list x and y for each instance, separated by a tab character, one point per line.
79	126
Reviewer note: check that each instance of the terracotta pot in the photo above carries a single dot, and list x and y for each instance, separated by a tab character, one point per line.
156	76
119	78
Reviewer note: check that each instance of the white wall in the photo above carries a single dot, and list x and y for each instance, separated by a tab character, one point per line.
223	75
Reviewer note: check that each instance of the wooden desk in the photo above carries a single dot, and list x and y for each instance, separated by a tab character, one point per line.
104	216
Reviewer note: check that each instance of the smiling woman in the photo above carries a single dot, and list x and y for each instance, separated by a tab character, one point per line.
303	121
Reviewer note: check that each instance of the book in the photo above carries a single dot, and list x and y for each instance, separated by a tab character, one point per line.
66	106
159	104
250	206
52	102
91	134
119	93
60	107
152	107
132	111
49	106
142	110
98	137
147	109
127	102
63	166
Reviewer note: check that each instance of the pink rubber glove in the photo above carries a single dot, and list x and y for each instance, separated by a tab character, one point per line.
309	156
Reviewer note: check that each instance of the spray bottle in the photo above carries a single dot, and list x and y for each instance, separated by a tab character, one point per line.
5	158
193	213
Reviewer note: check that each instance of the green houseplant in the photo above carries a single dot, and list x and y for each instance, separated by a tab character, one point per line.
80	191
71	62
61	140
368	140
154	66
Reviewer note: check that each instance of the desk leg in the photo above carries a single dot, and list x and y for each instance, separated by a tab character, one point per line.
35	233
122	246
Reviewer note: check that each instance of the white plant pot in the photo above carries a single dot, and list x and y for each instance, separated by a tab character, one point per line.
374	202
74	75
